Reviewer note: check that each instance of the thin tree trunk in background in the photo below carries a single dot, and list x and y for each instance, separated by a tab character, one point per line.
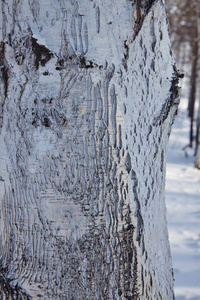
193	82
183	17
197	150
88	97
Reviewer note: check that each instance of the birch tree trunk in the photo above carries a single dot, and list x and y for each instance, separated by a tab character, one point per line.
88	96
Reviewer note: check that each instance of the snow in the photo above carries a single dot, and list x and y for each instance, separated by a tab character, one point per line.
183	206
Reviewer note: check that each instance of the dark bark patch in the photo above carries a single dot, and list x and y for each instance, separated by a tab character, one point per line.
153	65
126	55
3	78
42	54
129	256
162	161
151	281
98	19
142	9
46	122
87	64
173	100
148	5
3	68
46	73
60	64
128	163
9	291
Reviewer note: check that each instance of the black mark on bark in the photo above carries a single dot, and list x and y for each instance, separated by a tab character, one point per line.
126	55
128	163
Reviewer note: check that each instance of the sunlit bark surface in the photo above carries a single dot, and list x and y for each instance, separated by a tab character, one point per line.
88	95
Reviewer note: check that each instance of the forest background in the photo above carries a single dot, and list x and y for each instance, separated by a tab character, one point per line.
183	176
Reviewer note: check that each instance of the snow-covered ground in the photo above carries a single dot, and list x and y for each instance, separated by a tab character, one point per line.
183	206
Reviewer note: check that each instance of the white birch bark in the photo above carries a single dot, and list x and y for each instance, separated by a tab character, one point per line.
88	97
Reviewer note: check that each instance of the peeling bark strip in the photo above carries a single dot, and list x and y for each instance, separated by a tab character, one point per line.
82	209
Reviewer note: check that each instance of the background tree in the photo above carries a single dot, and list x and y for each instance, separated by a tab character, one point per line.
184	28
88	97
197	161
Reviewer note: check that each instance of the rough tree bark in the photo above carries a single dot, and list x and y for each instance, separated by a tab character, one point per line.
88	96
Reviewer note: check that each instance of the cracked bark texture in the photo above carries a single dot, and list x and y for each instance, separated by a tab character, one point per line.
88	96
